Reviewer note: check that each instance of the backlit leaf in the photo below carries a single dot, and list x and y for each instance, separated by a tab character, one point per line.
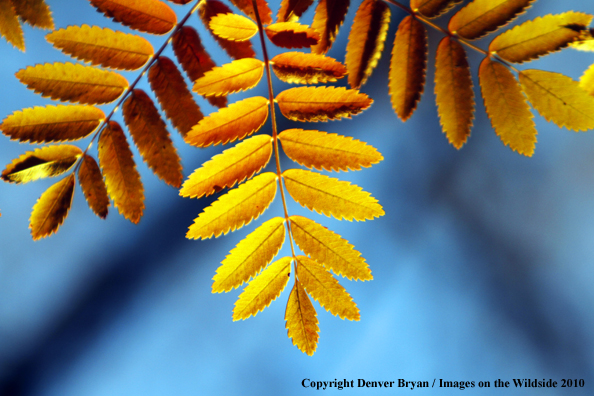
291	10
585	42
432	8
366	40
292	35
151	16
301	320
507	108
263	9
300	68
10	28
233	27
35	13
93	186
236	208
331	196
239	75
44	162
328	18
232	166
52	208
586	81
74	83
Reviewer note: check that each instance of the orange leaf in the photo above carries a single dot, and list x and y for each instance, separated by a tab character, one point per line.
10	28
93	187
233	27
151	16
44	162
247	7
291	10
301	321
300	68
52	208
292	35
35	13
239	75
329	16
432	8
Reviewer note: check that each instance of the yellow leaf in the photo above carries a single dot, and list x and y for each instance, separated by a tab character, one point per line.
239	75
321	103
174	97
481	17
233	27
263	289
507	108
247	7
586	81
236	208
329	151
52	123
328	17
151	16
292	35
325	289
291	10
92	185
301	320
539	37
237	121
44	162
250	255
558	98
331	196
329	249
35	13
585	42
300	68
10	28
52	208
103	47
366	40
152	138
432	8
232	166
121	177
453	91
407	67
74	83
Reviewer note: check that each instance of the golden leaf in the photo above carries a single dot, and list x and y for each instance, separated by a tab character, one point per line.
539	37
321	103
237	121
52	123
247	7
585	42
263	290
328	18
52	208
232	166
10	28
291	10
329	151
250	255
239	75
453	91
331	196
507	108
407	67
559	98
152	138
92	185
74	83
44	162
301	320
174	97
35	13
103	47
151	16
586	81
121	177
300	68
329	249
366	40
236	208
432	8
481	17
233	27
292	35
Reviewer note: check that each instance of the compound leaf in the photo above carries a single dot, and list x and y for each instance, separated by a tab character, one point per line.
301	320
300	68
151	16
44	162
328	18
292	35
291	10
52	208
233	27
239	75
93	187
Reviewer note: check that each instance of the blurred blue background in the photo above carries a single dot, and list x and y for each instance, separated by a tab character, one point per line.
483	264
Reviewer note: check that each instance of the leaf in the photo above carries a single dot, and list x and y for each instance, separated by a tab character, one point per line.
151	16
539	37
507	108
329	249
180	2
102	46
325	289
10	28
232	27
121	177
366	40
292	35
558	98
291	10
35	13
44	162
152	138
481	17
239	75
174	97
453	91
432	8
300	68
301	321
247	7
328	18
585	42
586	81
331	196
52	208
250	255
232	166
329	151
237	121
74	83
92	185
263	290
236	208
52	123
407	67
321	103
